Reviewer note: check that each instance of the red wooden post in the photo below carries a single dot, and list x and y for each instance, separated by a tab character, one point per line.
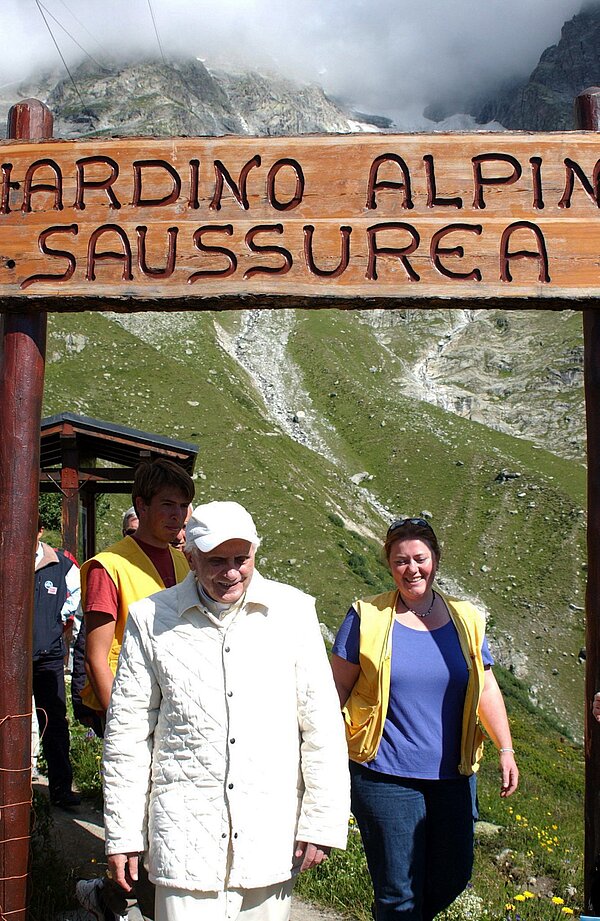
69	484
21	389
588	117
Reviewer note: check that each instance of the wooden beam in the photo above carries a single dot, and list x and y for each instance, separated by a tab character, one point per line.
363	220
94	474
21	389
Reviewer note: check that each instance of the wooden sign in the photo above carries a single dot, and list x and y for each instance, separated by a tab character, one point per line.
348	221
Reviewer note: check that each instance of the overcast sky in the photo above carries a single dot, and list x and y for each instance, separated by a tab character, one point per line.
388	57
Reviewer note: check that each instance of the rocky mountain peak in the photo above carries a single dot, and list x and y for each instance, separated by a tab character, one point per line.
544	101
185	97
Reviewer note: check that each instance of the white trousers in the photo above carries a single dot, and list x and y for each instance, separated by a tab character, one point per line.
270	903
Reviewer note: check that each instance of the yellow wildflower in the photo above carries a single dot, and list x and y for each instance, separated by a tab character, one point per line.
557	900
519	898
567	911
528	894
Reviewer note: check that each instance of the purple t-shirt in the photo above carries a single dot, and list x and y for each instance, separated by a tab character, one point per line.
428	681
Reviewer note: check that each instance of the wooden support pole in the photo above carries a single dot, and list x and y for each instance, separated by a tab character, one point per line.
69	484
588	116
21	389
88	501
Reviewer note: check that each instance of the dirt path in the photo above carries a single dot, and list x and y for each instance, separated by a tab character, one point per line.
79	837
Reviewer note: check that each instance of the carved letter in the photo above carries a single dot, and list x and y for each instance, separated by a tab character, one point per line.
106	184
432	197
541	254
375	184
536	176
239	192
109	256
193	201
436	251
344	257
29	188
61	253
220	250
169	198
480	180
299	191
573	169
7	185
171	253
277	250
400	253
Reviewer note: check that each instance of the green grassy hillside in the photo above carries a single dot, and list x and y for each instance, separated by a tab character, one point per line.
515	545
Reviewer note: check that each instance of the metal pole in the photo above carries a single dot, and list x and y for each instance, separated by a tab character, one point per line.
587	106
21	389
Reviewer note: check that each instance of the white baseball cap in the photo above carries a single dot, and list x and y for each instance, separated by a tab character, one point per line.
214	523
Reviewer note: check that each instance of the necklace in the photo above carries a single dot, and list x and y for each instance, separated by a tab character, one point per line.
416	613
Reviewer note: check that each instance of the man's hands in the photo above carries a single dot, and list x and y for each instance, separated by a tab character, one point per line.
124	869
310	854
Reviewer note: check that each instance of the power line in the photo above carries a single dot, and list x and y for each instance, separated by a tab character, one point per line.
84	27
47	24
162	54
72	37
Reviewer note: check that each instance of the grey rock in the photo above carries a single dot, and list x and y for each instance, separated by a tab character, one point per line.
486	829
357	478
505	475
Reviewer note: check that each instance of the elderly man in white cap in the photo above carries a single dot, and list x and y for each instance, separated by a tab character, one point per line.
225	758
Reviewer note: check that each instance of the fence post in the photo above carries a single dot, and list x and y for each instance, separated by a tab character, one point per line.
21	389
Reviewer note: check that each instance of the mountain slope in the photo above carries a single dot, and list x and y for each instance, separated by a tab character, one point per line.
513	544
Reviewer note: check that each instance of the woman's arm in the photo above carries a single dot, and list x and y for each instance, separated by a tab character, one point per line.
345	675
492	714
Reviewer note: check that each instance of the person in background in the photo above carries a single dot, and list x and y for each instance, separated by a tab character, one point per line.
413	673
179	542
131	522
224	753
141	563
56	601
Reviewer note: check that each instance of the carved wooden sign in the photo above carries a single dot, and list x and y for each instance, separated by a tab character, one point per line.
351	221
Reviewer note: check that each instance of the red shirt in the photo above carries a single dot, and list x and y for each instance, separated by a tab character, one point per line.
101	591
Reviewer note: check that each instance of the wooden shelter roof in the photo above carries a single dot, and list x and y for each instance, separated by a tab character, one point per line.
96	439
82	457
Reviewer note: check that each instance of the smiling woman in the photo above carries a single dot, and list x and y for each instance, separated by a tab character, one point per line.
413	673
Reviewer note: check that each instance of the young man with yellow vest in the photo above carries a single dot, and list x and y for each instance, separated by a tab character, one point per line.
132	569
143	563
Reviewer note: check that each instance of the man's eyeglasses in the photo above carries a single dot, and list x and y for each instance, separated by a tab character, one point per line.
400	522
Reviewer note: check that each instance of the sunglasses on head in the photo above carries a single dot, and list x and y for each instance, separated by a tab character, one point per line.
400	522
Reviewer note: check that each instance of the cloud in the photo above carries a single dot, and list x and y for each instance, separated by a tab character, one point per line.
384	56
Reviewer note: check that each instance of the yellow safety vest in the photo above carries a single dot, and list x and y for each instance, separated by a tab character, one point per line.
366	708
135	577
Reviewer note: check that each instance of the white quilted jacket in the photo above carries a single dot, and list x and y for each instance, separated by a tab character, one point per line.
224	743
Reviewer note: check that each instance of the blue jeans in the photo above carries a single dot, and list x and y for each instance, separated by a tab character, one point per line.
418	840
